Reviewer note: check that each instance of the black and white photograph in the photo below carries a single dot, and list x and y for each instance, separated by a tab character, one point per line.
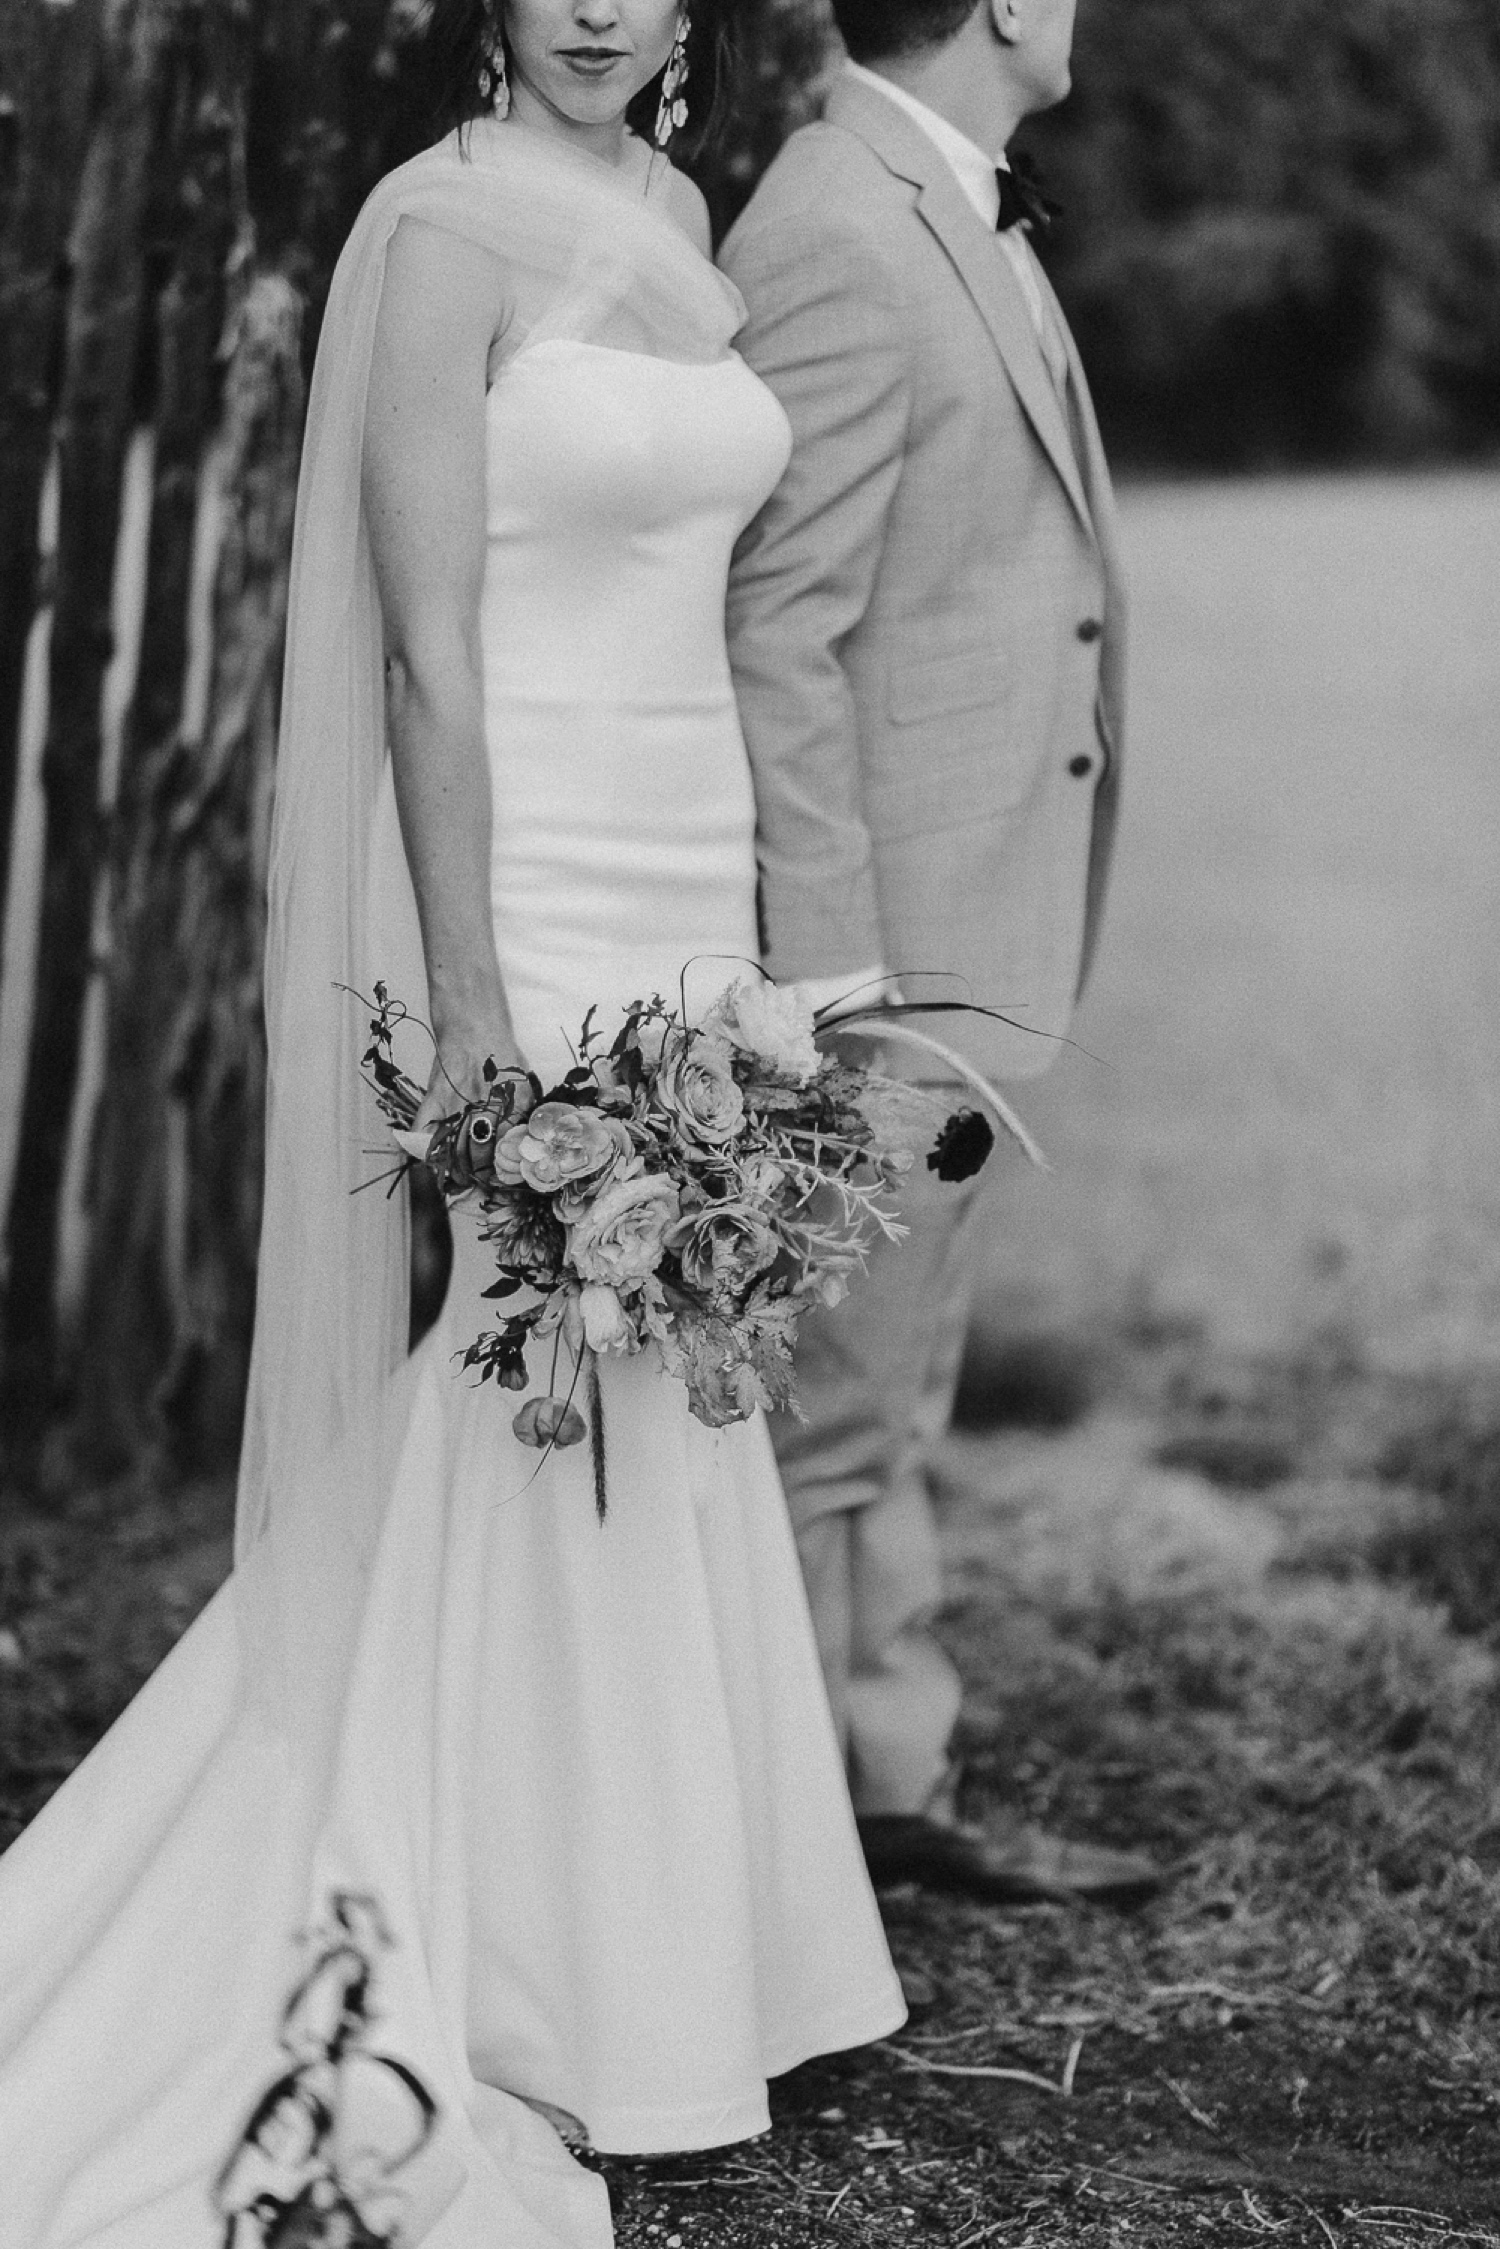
749	1124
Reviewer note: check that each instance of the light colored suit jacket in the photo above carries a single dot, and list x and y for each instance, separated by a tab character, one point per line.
926	620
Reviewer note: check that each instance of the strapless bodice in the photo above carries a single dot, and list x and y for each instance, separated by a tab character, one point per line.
618	484
624	820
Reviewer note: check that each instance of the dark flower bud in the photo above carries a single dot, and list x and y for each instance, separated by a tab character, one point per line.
549	1421
474	1151
963	1145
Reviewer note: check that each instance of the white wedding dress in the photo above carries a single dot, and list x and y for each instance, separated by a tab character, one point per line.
586	1775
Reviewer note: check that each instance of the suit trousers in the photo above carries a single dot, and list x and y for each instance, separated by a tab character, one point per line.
877	1377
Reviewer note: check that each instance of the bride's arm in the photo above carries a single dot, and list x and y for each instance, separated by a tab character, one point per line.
424	495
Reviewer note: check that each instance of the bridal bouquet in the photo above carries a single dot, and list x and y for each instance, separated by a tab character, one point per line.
696	1186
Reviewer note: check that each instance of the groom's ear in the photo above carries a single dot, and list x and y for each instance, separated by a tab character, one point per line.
1005	19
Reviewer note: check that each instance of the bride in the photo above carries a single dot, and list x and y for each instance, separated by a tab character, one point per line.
458	1824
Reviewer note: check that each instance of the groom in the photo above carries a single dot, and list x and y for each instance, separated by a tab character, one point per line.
926	627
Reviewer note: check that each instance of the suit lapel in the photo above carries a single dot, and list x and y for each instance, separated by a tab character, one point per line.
904	148
1101	501
997	294
1096	478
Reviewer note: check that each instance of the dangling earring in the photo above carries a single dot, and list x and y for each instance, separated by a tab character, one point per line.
673	113
494	79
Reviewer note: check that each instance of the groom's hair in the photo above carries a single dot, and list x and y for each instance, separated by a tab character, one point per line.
874	30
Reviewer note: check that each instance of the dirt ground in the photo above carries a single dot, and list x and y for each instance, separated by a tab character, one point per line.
1222	1516
1200	1619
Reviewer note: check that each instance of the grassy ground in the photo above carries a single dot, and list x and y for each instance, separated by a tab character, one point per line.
1223	1525
1248	1671
1288	1110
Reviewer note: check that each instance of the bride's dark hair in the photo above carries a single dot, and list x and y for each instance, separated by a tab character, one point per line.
459	32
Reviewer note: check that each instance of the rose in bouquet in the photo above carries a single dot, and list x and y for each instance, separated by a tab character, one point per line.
692	1187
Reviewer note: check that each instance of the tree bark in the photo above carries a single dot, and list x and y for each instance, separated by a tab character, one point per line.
45	76
198	246
178	1161
98	397
178	1151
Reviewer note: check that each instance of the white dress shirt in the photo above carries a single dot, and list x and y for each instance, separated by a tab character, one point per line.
975	173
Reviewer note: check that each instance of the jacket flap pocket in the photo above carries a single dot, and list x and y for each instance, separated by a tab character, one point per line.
935	684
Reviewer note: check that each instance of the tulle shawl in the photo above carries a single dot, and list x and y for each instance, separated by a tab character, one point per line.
588	253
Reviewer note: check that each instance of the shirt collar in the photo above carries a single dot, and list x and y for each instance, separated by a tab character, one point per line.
974	170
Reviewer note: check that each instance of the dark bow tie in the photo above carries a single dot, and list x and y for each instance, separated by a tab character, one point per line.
1024	200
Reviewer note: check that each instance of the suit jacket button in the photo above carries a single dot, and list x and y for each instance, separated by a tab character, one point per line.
1090	629
1079	766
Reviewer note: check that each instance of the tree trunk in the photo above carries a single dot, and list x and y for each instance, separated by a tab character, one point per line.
176	1177
45	75
198	242
103	335
178	1162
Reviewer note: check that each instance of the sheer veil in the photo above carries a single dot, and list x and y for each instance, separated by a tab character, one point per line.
588	256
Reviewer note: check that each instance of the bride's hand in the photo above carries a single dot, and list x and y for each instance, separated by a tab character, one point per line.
458	1068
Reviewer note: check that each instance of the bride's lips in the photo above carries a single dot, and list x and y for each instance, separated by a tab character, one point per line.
592	62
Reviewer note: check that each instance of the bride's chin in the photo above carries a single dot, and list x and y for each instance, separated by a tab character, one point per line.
592	107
